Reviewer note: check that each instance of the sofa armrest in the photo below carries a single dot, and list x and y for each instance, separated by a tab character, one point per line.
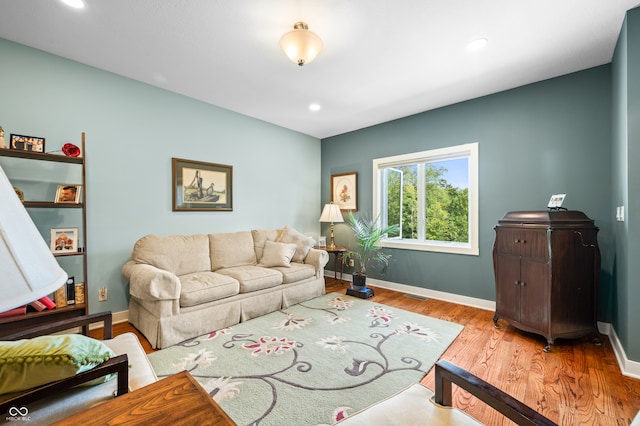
317	258
149	283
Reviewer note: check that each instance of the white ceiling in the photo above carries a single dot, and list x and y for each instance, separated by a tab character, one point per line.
383	59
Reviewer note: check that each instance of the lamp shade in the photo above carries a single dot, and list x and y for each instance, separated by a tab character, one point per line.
301	45
28	269
331	213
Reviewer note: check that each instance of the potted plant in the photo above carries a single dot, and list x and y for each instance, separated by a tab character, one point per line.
368	233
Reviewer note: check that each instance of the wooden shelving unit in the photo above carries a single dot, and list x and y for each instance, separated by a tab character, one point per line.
31	319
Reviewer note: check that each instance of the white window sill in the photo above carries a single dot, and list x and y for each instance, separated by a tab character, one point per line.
435	246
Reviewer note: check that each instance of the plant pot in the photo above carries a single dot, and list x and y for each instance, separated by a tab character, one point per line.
359	281
359	287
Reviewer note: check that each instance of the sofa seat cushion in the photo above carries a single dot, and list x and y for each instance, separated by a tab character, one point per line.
253	278
140	371
203	287
296	272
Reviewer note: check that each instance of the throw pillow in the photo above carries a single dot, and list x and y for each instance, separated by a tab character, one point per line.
277	254
28	363
302	242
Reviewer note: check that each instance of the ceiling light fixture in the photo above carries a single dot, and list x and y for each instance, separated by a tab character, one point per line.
478	44
314	107
76	4
301	45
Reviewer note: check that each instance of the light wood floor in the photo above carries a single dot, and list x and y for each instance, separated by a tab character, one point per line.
578	383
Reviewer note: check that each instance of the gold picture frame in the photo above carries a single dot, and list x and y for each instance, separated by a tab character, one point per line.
344	190
200	186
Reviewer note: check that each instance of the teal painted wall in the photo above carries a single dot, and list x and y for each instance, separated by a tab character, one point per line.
133	130
625	181
534	141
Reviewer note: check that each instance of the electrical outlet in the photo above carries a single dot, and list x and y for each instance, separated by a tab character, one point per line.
351	263
102	294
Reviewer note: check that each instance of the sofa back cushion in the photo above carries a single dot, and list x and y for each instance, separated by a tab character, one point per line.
180	254
231	249
260	237
302	242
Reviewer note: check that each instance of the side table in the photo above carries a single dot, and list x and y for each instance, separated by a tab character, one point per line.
338	252
175	400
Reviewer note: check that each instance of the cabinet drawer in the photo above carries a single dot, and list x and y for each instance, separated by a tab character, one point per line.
530	243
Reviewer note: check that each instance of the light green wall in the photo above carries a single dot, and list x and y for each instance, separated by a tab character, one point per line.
534	141
625	179
133	130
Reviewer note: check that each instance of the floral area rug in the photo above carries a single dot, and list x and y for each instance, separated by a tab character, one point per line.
313	363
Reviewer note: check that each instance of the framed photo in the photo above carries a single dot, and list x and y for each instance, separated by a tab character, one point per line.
68	194
64	240
27	143
344	190
199	186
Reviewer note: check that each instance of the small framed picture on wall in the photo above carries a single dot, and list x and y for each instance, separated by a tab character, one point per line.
344	190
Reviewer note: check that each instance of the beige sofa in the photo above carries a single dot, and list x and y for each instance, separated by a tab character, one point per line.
185	286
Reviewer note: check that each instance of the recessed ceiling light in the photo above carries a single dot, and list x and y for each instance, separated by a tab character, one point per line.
477	44
76	4
314	107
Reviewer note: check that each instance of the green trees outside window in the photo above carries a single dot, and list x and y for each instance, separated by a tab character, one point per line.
445	206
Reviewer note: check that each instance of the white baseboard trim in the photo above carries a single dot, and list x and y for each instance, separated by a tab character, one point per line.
424	292
627	367
116	318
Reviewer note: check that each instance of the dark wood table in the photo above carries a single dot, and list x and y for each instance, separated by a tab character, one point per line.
338	252
176	400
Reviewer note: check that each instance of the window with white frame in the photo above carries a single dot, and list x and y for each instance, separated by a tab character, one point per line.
432	196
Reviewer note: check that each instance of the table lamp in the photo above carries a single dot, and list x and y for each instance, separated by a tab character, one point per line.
331	213
27	267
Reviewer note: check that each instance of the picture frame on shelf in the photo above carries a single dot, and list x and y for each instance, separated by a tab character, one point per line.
344	190
201	186
27	143
64	240
322	241
68	194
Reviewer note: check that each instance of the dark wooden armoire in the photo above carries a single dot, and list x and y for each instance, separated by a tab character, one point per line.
546	266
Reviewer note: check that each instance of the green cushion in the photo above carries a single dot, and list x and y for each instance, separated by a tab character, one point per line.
28	363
